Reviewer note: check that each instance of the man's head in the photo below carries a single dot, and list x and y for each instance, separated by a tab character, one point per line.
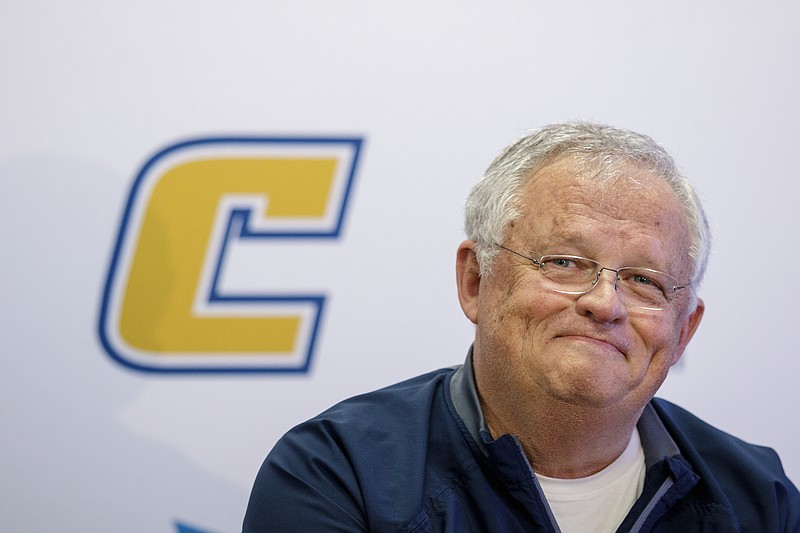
494	201
608	195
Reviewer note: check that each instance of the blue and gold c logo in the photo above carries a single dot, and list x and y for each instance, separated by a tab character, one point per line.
165	306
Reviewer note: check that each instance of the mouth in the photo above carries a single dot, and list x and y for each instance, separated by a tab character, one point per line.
604	344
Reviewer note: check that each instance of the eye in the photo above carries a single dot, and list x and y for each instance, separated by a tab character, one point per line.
561	262
642	280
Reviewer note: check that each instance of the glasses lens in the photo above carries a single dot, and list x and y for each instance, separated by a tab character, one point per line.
644	287
637	287
569	273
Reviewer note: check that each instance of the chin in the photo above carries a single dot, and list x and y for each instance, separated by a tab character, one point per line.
594	401
590	389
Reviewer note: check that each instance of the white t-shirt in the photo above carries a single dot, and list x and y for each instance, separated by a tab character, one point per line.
600	502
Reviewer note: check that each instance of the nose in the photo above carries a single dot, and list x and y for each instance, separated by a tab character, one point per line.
600	274
602	302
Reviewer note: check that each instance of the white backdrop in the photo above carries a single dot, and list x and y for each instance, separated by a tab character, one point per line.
93	89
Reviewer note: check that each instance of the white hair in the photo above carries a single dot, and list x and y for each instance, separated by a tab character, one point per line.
494	201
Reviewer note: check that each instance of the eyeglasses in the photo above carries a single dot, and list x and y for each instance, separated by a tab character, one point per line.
637	286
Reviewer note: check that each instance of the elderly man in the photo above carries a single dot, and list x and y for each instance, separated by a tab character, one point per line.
586	247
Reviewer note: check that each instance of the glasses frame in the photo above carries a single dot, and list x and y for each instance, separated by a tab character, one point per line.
538	263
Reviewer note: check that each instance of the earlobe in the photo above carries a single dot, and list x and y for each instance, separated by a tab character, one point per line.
688	328
468	279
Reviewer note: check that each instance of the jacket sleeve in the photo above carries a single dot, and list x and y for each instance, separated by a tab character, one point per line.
789	503
306	484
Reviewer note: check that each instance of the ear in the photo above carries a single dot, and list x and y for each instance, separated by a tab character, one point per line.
468	279
688	328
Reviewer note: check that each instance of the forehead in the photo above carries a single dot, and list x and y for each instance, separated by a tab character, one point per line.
628	210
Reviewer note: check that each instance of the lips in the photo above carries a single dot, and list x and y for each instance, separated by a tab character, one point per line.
617	344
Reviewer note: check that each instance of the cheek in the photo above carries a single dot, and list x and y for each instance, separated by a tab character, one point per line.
659	342
514	315
499	301
520	321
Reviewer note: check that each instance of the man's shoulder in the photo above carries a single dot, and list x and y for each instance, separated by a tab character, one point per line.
698	439
750	476
367	436
415	392
393	410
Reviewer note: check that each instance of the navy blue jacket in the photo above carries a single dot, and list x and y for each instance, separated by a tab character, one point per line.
414	457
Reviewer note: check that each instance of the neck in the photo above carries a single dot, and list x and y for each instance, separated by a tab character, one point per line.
563	440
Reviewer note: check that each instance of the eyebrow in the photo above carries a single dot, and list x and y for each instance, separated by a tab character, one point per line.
572	239
555	240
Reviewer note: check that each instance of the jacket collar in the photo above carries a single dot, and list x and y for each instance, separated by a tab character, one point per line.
656	440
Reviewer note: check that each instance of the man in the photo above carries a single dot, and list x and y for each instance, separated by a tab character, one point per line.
586	248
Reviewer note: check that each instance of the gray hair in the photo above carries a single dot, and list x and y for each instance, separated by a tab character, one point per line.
494	201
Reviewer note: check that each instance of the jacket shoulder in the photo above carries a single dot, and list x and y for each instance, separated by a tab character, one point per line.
714	445
364	453
750	476
393	404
